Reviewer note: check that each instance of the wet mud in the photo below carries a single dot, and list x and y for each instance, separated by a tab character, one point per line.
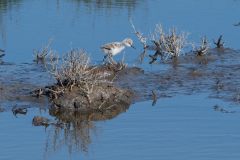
215	73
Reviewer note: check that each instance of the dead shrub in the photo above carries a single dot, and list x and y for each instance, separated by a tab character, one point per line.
203	48
45	53
171	43
74	70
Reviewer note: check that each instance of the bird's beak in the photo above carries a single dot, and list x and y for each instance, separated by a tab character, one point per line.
133	46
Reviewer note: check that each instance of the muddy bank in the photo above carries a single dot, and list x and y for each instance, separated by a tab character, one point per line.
215	73
88	95
102	98
105	101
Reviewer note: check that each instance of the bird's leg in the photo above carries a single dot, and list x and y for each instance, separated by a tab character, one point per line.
111	60
105	57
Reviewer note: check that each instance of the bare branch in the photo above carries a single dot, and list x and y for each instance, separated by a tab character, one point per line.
140	36
219	42
204	47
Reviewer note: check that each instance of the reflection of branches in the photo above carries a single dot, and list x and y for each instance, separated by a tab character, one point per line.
107	4
76	128
6	5
75	135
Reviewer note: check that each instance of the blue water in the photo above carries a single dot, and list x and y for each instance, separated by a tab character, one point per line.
181	127
27	25
187	130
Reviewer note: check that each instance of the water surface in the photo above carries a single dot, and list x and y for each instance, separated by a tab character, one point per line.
184	124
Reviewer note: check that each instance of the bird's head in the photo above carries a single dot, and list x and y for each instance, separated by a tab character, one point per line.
128	42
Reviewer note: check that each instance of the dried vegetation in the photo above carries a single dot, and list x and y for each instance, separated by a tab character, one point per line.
46	53
82	86
171	44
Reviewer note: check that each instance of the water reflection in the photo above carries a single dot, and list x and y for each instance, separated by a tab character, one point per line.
74	130
75	136
4	6
108	3
7	4
17	21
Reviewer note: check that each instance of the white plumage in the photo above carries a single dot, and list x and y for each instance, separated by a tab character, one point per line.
113	48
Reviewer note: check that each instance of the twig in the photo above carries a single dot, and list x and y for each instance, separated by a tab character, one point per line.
154	97
40	55
140	36
219	42
203	49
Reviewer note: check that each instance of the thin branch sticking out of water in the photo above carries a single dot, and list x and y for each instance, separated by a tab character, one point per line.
219	43
222	110
204	47
42	54
140	36
154	97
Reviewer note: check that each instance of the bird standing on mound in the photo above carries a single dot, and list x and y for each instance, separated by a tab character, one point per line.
113	48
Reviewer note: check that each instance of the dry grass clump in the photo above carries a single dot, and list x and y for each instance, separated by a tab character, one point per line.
203	48
169	44
166	44
45	53
74	70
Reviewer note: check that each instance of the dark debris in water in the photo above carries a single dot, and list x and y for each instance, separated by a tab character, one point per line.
40	121
237	24
2	109
19	110
219	43
154	97
222	110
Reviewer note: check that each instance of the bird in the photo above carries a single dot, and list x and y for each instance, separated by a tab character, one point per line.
114	48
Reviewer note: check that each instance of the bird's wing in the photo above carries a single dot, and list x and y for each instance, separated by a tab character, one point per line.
110	46
1	50
105	47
